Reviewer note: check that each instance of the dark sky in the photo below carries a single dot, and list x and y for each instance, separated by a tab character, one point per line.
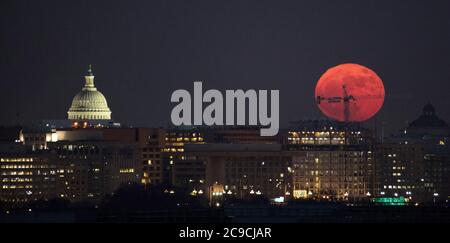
144	50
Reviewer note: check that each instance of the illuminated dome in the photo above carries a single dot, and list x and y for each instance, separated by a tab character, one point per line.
89	103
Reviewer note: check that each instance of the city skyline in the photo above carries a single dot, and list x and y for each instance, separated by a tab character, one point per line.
203	114
226	46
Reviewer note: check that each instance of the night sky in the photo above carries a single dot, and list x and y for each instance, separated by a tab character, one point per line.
142	51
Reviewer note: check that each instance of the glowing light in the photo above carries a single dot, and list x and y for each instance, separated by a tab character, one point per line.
390	201
54	137
279	200
126	171
300	194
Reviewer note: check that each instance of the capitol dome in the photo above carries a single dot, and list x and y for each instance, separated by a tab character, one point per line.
89	103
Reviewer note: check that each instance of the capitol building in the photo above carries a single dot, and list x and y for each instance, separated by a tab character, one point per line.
89	103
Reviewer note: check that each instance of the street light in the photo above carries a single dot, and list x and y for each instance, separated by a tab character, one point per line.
435	195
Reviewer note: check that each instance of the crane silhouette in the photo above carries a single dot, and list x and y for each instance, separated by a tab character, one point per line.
345	99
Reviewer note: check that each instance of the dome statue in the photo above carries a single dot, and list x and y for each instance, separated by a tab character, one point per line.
89	103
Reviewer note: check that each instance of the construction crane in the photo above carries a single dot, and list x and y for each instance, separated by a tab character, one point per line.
345	99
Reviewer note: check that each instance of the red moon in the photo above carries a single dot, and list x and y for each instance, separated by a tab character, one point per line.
350	93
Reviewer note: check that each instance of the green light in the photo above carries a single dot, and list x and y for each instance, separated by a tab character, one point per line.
390	201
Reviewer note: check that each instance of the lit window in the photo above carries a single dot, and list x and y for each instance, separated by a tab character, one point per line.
127	171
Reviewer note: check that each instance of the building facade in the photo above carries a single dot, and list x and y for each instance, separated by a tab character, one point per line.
401	171
91	170
424	148
26	176
332	161
240	170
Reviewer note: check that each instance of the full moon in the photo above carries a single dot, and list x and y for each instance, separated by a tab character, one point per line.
350	93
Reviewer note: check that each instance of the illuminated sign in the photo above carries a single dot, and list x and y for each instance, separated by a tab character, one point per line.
390	201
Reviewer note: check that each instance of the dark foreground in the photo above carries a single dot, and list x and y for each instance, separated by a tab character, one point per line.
296	213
